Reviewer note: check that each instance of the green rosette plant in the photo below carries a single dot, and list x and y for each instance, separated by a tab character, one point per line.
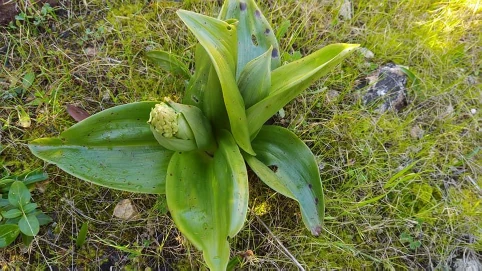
196	152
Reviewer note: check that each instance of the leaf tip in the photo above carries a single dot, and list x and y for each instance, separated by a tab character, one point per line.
316	231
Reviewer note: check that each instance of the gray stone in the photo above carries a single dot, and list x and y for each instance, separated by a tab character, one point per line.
385	89
467	265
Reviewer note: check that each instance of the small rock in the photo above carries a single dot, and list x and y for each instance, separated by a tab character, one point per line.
471	80
125	210
366	53
90	51
450	110
332	95
346	10
387	86
42	186
467	265
417	132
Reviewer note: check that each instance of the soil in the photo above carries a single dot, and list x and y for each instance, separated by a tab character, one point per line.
9	8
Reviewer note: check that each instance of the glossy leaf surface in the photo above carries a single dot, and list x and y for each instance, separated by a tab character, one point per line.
29	207
207	197
255	35
219	40
12	213
169	62
287	165
8	234
114	148
29	225
204	90
290	80
43	219
19	195
255	79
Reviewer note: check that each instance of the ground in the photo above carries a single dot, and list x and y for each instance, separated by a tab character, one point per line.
403	189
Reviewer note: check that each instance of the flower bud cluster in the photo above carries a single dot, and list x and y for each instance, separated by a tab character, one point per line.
163	118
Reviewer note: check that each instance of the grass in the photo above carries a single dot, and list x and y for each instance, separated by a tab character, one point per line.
403	190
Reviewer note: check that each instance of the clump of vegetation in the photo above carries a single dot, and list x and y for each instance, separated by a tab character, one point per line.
18	215
199	161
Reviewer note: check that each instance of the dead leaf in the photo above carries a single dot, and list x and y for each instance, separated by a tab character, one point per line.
417	132
366	53
90	51
77	113
125	210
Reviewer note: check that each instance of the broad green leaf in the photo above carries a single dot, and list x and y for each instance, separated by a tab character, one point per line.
255	80
169	62
5	184
230	170
13	213
27	179
219	40
114	148
8	234
255	35
18	195
198	83
26	240
290	80
29	225
207	197
29	207
43	219
12	220
287	165
4	203
33	177
204	91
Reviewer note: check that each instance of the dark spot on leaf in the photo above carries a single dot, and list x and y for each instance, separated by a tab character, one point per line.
195	99
257	13
254	40
170	174
274	54
317	201
242	6
310	186
229	28
267	31
273	168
